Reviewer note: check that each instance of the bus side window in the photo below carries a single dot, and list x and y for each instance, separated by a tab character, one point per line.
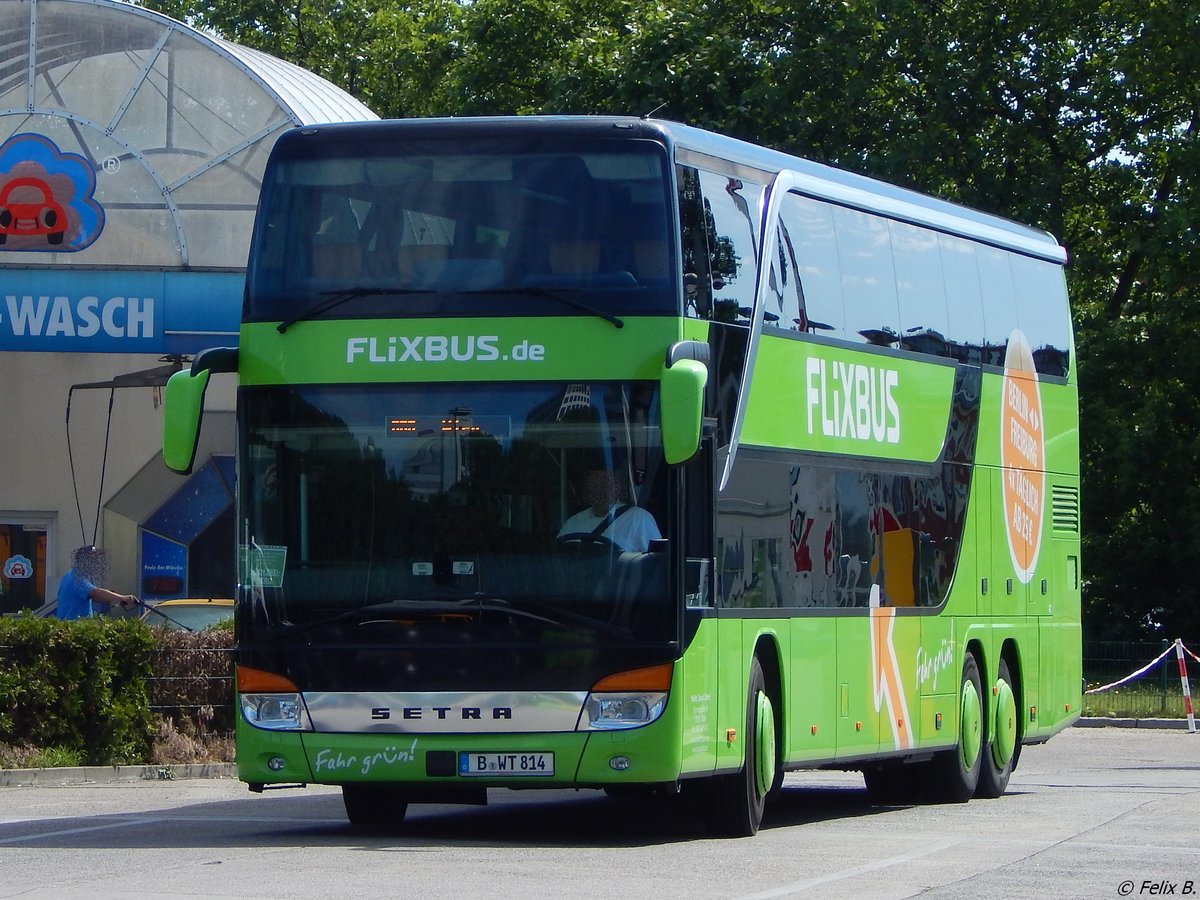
868	278
999	302
964	299
1042	312
694	229
731	223
785	305
811	247
921	289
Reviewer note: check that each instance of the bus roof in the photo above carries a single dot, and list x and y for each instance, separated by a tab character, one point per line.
690	144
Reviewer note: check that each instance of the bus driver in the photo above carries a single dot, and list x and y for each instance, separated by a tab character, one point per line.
629	528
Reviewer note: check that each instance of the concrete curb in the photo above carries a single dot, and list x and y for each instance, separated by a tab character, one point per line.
113	774
1099	722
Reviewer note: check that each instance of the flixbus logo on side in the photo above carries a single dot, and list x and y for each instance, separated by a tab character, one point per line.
853	401
1023	456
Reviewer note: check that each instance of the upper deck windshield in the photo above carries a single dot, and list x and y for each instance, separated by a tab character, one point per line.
456	511
464	226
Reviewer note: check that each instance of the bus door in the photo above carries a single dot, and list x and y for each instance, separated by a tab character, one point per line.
1001	591
698	680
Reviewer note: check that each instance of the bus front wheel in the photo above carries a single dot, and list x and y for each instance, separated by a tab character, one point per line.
374	806
739	799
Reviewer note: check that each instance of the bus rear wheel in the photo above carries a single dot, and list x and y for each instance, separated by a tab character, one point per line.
1000	753
739	800
374	806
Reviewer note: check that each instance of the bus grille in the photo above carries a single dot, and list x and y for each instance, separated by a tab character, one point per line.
1064	508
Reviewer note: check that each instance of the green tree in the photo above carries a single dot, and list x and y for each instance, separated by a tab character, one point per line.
1076	117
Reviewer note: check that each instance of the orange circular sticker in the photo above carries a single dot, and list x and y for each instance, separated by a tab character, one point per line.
1023	456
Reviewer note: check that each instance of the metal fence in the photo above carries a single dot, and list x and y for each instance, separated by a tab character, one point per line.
193	687
1158	692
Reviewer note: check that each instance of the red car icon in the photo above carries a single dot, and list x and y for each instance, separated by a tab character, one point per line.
27	208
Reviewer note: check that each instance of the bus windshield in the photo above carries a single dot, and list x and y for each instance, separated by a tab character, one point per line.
518	512
468	227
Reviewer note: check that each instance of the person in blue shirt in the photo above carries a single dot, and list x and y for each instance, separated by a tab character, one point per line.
78	588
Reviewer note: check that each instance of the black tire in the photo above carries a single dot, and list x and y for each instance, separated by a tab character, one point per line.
739	799
1002	749
954	774
374	806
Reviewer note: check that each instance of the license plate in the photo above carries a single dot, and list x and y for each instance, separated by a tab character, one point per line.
506	765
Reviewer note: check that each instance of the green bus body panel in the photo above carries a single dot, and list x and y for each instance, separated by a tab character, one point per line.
1060	405
653	753
440	350
848	402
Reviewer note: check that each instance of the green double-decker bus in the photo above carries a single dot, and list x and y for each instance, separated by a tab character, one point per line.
612	453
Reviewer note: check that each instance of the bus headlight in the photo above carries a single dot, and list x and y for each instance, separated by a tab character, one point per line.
605	712
270	700
277	712
628	699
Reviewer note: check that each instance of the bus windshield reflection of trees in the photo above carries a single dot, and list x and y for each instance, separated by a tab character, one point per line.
459	494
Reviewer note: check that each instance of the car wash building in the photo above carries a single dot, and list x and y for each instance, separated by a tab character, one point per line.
131	154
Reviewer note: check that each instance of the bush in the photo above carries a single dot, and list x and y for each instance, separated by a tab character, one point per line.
29	757
79	687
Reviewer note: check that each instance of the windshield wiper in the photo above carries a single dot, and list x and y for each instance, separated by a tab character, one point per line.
337	298
574	618
561	294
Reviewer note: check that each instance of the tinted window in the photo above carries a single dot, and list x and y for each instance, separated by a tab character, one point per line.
785	294
999	304
731	205
460	491
811	237
793	535
1043	312
920	288
468	227
964	301
868	278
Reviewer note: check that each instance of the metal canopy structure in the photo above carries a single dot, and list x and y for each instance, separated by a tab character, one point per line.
175	125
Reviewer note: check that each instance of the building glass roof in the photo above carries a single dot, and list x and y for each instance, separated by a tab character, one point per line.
174	127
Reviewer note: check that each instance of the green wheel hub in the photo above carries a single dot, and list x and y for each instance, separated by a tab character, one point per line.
971	739
764	743
1004	726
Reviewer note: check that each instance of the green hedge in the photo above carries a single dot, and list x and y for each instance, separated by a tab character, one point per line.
81	686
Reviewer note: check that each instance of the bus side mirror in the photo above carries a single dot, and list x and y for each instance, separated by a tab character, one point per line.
183	407
682	409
